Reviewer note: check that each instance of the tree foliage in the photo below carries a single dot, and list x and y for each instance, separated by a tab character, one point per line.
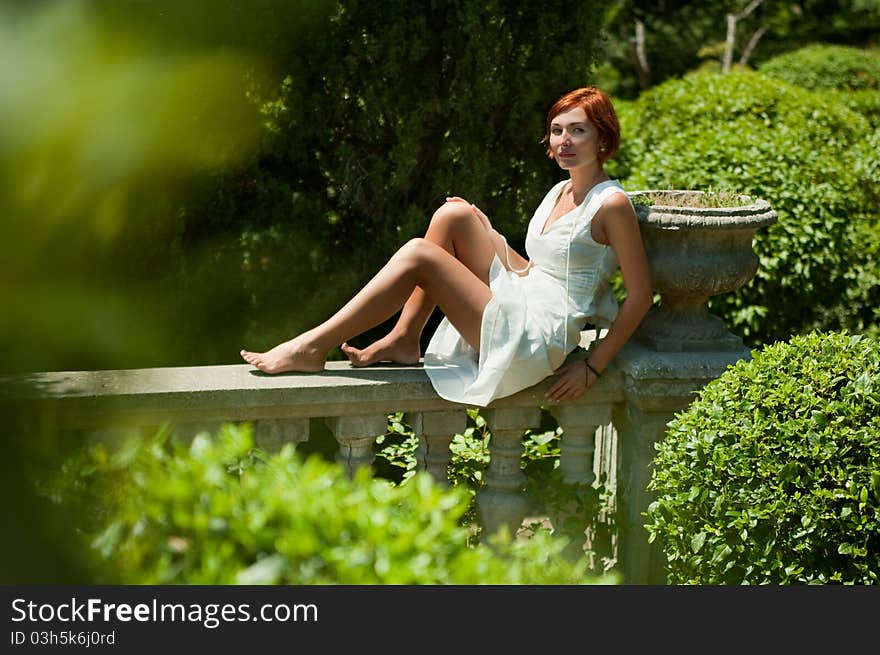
680	36
822	66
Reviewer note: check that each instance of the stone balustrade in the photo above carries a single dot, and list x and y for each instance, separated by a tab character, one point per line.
695	250
631	404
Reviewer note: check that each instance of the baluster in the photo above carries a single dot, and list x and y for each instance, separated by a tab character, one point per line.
355	436
435	431
577	451
578	444
605	459
272	433
502	503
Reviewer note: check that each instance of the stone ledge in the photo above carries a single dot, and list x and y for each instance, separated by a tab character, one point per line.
241	393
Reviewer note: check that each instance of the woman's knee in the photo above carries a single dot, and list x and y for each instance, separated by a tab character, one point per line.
417	251
454	214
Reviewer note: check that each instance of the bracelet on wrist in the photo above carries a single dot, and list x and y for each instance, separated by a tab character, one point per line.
592	370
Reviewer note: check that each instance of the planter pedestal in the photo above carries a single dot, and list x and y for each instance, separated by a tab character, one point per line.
694	253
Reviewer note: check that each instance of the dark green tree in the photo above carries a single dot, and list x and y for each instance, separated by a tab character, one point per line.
391	109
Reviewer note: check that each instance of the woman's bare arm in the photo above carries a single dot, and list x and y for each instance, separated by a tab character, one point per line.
618	226
621	229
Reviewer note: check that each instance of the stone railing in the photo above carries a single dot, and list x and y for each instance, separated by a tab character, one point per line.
695	251
628	408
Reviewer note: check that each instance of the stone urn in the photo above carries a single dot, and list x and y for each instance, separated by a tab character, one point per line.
696	250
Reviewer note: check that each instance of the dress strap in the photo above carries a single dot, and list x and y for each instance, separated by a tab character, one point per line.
507	259
599	196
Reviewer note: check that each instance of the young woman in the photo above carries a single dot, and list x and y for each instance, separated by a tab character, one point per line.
509	321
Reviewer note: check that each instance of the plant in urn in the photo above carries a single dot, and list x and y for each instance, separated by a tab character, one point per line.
699	244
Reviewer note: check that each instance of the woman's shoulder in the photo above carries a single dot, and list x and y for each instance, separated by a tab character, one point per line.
614	195
615	218
611	187
615	203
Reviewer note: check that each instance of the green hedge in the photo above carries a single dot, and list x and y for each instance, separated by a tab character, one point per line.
865	102
773	474
849	75
807	155
825	66
219	511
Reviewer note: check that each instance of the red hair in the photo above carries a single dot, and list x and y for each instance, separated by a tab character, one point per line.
600	112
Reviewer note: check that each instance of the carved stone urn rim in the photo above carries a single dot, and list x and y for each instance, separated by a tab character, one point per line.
756	214
695	253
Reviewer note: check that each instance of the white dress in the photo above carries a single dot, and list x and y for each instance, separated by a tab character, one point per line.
533	321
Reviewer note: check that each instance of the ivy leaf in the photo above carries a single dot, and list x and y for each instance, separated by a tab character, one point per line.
789	472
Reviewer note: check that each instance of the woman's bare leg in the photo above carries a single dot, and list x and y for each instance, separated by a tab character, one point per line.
456	228
461	294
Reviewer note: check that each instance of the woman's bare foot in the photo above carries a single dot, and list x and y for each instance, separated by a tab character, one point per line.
389	348
291	355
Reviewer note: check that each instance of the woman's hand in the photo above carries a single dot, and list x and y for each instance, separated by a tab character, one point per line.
572	380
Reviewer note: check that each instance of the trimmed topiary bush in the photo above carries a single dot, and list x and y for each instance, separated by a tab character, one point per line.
851	76
826	66
800	151
773	474
865	102
219	511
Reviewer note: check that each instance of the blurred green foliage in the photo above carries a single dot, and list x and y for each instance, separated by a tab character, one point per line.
808	156
103	135
114	117
770	476
219	511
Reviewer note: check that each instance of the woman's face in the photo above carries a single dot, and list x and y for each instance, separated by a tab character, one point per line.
574	140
